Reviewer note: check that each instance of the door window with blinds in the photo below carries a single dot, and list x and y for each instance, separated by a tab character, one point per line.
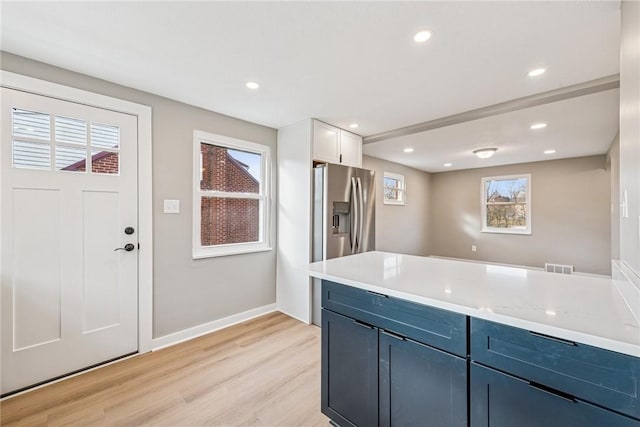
43	141
231	196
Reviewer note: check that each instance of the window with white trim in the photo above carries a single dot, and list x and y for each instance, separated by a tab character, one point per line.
394	189
231	196
506	204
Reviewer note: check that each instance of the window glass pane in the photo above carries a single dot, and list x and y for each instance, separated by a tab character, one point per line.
31	155
104	162
506	190
512	216
229	220
31	124
71	130
105	136
233	171
73	159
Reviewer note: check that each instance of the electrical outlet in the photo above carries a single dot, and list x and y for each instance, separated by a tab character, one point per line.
473	248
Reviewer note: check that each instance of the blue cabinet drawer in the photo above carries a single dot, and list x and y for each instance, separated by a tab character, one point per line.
592	374
439	328
500	400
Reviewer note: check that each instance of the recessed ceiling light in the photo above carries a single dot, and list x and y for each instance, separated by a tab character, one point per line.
549	151
485	153
550	312
537	72
354	125
536	126
408	150
422	36
448	165
252	85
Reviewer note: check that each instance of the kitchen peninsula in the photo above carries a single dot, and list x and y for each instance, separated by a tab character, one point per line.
411	340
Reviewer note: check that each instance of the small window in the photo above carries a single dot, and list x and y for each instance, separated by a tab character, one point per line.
394	189
231	198
506	204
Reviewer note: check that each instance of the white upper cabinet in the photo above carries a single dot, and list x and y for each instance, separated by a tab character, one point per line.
334	145
326	142
351	149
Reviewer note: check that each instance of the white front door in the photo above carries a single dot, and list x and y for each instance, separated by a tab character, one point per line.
68	202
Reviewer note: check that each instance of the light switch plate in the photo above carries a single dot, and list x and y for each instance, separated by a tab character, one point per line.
172	206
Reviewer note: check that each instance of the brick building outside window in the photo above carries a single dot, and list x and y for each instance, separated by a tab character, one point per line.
230	196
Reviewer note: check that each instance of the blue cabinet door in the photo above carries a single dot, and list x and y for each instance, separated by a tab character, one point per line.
349	371
420	385
500	400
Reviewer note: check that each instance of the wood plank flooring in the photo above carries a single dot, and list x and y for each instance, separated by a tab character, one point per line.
264	372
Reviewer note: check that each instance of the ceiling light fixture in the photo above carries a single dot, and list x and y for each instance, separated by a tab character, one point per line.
549	151
448	165
484	153
537	126
422	36
537	72
408	150
252	85
354	126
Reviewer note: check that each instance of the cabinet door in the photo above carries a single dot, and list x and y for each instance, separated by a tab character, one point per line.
420	386
349	371
326	142
500	400
351	149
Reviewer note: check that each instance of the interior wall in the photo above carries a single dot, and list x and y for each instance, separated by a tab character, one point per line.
570	216
402	228
613	165
186	292
630	134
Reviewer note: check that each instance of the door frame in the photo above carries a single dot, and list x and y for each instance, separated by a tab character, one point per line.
145	198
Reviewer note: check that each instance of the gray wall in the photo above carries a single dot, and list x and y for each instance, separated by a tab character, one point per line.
186	292
630	133
570	216
403	229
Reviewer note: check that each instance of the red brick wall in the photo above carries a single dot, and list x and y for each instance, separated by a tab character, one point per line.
104	163
225	220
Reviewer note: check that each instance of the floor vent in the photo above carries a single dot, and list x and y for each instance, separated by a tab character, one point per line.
558	268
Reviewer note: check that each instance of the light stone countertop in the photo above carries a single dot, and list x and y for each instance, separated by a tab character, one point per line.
587	310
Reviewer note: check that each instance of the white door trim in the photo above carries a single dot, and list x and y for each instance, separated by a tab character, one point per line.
145	201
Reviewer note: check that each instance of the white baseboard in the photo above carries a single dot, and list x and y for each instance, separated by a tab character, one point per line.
207	328
628	283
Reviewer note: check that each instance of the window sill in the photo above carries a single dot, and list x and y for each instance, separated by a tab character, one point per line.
396	203
201	253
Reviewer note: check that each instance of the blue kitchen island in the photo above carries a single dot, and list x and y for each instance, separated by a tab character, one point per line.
415	341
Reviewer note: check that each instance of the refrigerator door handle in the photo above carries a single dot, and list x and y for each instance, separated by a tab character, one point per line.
353	234
361	209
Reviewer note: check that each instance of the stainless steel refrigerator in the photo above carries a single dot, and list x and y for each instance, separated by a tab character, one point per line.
343	217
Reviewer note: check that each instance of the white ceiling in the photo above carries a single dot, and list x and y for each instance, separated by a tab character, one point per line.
341	62
582	126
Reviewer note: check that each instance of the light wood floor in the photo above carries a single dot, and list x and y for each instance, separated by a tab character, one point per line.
265	372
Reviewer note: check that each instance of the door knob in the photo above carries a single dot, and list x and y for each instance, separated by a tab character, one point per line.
128	247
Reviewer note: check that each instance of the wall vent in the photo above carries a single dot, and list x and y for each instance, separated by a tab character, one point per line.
558	268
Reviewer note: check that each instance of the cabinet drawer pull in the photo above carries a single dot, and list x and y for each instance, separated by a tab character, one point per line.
552	391
550	338
377	294
393	335
364	325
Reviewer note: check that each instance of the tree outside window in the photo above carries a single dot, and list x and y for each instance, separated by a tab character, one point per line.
506	204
